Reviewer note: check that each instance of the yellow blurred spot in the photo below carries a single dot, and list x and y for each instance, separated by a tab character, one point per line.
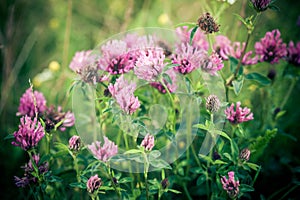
181	145
53	23
247	103
36	81
252	88
54	66
163	19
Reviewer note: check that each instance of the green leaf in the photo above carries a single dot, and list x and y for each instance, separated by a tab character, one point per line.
197	170
280	114
9	136
126	180
223	134
201	179
252	166
105	188
192	34
170	66
78	185
133	151
167	78
160	164
233	64
219	162
234	149
207	158
154	155
201	126
240	18
228	156
274	8
261	79
238	85
246	188
188	24
174	191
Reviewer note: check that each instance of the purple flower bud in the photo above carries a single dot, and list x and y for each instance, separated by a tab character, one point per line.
165	183
74	143
216	156
29	134
260	5
104	153
93	184
245	154
148	142
212	103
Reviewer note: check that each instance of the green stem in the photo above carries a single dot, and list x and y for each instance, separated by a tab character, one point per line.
76	167
172	102
289	92
112	182
187	192
210	44
146	168
289	191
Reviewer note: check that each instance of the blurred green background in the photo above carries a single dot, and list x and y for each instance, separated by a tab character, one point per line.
39	38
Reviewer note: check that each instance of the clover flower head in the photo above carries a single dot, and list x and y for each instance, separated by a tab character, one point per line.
104	152
93	184
149	64
237	50
122	91
32	103
245	154
148	142
75	143
29	134
211	64
207	24
187	57
260	5
238	115
116	59
223	46
230	185
28	169
293	53
213	103
271	48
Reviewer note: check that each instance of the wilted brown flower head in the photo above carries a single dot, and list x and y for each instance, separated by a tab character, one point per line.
207	24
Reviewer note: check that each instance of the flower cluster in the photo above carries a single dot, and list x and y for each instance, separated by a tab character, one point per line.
104	153
29	134
32	103
29	169
230	185
238	115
